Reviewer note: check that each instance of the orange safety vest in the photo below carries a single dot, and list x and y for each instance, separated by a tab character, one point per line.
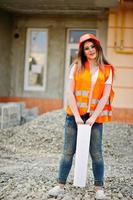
82	91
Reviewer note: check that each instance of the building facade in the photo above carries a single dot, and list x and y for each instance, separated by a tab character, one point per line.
40	39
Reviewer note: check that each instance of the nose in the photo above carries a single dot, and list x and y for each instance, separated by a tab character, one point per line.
90	49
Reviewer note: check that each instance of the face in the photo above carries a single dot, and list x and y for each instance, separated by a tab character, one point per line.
90	50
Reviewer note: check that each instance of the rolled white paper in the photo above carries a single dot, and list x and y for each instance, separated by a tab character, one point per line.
82	152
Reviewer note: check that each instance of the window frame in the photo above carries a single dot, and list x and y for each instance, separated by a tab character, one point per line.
27	87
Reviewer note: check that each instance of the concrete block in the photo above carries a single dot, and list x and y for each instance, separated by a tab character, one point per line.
33	112
9	115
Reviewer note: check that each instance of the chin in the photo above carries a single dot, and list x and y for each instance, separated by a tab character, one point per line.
92	58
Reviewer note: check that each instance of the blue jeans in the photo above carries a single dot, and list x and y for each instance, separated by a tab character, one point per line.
70	148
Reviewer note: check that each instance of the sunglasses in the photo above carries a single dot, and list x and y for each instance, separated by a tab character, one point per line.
89	48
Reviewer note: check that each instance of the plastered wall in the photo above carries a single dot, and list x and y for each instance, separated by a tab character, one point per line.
5	47
57	35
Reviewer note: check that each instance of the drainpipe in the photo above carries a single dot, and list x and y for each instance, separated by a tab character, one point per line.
120	49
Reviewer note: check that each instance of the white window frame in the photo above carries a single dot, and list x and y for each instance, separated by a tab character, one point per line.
26	86
68	49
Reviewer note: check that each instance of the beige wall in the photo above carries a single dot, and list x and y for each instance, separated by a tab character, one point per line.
120	53
5	47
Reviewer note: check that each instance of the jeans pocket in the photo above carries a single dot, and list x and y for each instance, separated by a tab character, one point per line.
70	120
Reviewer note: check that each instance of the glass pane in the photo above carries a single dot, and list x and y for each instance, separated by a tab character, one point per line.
37	58
74	35
73	53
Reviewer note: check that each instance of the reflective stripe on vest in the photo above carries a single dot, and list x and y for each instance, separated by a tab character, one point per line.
95	102
85	105
82	105
84	93
103	113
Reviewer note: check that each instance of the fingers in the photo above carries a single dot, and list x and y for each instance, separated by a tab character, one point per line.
79	121
89	122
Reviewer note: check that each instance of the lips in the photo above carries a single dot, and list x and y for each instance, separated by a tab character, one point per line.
92	54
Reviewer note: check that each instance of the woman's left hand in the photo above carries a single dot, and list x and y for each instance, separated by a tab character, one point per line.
90	121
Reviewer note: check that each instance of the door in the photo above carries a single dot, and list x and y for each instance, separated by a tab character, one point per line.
73	36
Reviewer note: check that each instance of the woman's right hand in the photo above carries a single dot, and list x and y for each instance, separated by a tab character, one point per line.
79	120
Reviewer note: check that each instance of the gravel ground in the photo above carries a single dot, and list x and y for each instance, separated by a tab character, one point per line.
29	156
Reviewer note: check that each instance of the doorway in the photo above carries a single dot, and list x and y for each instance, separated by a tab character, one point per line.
73	36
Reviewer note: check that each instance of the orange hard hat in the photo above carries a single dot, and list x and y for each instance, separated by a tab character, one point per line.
87	36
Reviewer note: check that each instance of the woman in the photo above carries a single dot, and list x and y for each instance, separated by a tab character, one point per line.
89	101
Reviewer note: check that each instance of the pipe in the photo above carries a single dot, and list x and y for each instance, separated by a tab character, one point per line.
120	49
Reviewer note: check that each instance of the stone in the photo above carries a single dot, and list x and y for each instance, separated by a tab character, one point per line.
30	156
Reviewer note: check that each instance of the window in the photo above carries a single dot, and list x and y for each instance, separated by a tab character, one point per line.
36	60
